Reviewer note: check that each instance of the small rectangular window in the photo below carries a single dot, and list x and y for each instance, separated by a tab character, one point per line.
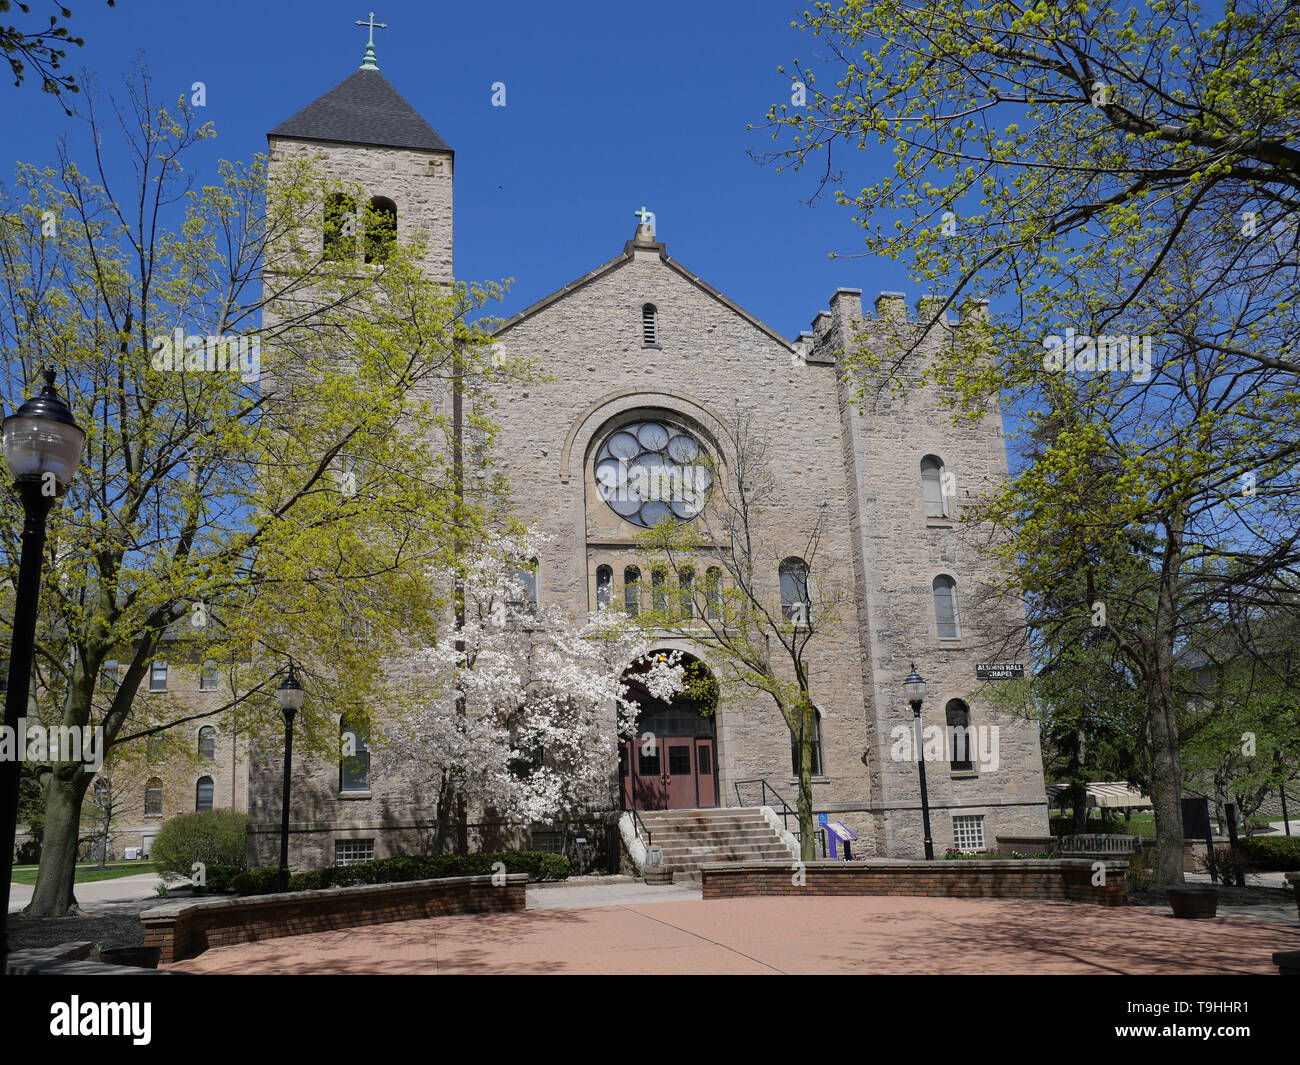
110	672
647	765
158	677
679	761
705	758
208	678
351	851
968	833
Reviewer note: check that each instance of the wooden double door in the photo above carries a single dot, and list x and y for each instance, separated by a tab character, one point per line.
668	772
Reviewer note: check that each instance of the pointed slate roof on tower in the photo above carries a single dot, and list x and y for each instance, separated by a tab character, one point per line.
363	109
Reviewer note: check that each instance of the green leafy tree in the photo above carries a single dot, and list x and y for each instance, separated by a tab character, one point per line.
1123	186
275	488
40	48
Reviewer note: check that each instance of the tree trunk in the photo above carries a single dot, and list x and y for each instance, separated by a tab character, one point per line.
807	841
1166	755
1079	797
64	791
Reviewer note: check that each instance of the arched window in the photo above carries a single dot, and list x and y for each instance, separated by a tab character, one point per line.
649	325
945	607
816	739
340	227
525	575
528	759
604	587
659	589
795	604
203	790
153	797
686	585
936	506
381	229
713	592
632	591
207	743
354	759
208	678
961	737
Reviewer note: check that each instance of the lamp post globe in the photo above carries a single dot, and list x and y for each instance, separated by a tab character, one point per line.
42	440
290	695
914	687
42	449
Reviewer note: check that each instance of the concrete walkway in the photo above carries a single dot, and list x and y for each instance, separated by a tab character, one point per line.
91	897
889	934
606	891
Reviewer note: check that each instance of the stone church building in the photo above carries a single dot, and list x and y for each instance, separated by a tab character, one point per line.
650	363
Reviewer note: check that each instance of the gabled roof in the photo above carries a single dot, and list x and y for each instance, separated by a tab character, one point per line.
363	109
623	260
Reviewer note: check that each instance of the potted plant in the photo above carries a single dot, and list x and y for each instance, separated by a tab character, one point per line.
1196	901
655	872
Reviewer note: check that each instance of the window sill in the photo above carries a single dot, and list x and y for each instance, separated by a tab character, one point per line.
965	774
354	795
814	780
657	347
940	523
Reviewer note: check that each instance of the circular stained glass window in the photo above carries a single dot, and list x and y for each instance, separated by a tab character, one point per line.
651	470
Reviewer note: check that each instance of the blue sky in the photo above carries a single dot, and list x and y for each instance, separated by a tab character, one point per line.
608	107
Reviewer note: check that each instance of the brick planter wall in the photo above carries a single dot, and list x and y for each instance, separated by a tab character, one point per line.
1057	880
185	929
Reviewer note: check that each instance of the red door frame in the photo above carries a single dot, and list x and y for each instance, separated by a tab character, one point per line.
665	790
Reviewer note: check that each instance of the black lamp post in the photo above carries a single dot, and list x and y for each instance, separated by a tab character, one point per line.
1281	790
291	694
915	688
42	447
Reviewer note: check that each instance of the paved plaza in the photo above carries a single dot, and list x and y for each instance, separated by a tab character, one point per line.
774	935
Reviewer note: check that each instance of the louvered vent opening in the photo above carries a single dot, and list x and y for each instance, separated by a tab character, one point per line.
649	324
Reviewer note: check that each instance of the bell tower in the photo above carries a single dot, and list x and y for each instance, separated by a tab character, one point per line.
364	132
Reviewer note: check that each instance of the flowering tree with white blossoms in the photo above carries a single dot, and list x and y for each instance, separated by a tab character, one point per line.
526	703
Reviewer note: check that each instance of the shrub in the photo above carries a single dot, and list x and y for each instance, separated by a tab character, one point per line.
1232	864
1279	854
257	881
213	837
405	867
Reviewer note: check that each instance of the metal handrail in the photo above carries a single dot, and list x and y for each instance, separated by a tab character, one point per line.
636	820
787	810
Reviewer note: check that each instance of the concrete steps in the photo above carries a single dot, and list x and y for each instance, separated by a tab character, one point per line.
691	838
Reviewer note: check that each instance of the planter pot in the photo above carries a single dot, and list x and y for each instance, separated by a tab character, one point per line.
139	957
658	874
1193	902
1287	962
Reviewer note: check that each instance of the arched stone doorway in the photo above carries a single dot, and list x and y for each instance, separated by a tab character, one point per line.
672	763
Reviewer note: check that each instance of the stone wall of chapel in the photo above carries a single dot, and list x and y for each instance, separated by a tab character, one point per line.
709	362
419	183
398	811
898	553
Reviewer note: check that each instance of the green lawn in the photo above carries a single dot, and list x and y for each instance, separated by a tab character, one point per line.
88	872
